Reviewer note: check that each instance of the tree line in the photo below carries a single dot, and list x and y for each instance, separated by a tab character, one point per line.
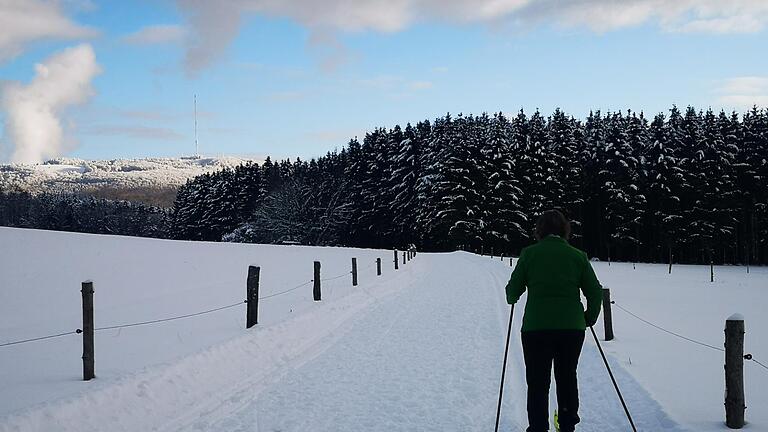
80	213
690	184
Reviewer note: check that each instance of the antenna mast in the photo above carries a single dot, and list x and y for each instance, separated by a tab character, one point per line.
197	148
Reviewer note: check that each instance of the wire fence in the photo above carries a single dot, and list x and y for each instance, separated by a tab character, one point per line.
23	341
173	318
178	317
748	356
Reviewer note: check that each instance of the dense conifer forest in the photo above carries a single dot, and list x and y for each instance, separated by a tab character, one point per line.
692	184
689	183
80	213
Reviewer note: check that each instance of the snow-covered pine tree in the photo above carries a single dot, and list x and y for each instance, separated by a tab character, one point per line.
566	141
431	161
405	175
618	178
457	208
666	183
505	226
536	166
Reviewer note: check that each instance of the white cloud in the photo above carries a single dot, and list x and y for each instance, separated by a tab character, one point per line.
395	85
26	21
286	96
744	92
745	85
744	102
421	85
156	34
33	111
214	24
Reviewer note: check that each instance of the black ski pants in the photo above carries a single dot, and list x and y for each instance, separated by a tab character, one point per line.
540	349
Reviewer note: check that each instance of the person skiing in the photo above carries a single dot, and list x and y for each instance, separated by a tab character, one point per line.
555	321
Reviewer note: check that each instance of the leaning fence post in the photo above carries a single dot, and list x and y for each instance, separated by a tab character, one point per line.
396	267
607	315
378	266
316	288
354	271
734	372
88	350
252	287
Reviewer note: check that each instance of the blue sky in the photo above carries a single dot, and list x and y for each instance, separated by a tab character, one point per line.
273	78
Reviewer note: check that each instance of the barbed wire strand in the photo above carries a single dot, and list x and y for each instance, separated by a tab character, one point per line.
761	364
160	320
668	331
286	291
141	323
40	338
336	277
747	356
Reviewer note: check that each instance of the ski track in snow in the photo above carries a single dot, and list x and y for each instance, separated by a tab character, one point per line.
427	358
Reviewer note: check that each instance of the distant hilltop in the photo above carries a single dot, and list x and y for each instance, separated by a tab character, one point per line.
152	181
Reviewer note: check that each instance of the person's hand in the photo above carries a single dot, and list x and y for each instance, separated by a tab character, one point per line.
589	322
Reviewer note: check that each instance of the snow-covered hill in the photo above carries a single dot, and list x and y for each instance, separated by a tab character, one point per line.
415	349
152	180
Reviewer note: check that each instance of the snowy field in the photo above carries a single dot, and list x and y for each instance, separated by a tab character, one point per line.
417	349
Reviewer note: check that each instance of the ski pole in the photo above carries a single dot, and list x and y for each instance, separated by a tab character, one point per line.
616	386
504	368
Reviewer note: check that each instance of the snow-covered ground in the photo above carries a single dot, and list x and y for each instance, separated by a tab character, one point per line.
417	349
78	175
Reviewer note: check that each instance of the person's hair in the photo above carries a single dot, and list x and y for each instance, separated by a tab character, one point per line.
553	222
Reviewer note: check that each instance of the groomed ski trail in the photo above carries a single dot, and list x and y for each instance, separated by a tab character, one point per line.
427	358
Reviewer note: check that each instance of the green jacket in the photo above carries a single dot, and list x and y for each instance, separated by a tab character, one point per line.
554	271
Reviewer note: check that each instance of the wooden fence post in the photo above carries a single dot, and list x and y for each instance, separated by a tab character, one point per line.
510	261
711	271
354	271
316	289
88	349
403	257
378	266
734	372
491	252
607	315
252	287
396	267
670	260
748	257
